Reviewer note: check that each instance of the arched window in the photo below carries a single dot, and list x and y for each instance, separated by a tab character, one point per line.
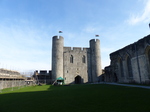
71	59
83	59
149	56
121	67
129	66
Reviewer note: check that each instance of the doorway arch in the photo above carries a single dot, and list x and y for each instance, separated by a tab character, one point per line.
115	77
78	79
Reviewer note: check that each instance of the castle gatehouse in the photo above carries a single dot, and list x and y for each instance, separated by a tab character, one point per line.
75	65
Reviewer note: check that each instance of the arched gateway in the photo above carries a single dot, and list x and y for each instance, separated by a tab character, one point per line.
78	79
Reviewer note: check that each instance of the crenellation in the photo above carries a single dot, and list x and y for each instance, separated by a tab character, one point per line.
67	49
86	49
74	49
97	40
57	37
77	49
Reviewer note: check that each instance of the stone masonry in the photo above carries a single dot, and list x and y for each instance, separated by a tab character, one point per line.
130	64
76	65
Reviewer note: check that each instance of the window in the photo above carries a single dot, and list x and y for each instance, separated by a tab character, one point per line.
71	59
121	68
149	56
129	67
83	59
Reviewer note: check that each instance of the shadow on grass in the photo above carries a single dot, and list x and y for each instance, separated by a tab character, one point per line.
76	98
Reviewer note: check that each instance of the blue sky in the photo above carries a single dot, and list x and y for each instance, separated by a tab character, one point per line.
27	28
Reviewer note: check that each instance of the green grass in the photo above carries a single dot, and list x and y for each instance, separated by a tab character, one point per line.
10	89
76	98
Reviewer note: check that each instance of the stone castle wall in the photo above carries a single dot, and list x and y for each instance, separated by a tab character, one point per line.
11	83
131	63
79	66
76	64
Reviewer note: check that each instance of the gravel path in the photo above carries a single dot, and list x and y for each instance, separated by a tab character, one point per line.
139	86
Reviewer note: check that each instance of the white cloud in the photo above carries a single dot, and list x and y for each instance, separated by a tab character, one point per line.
92	28
144	16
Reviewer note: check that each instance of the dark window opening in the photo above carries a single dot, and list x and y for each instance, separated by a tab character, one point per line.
71	59
129	66
83	59
121	68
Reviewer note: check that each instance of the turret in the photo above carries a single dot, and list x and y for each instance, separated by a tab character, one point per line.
57	57
95	59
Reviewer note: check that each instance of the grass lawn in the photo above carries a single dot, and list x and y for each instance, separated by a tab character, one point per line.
76	98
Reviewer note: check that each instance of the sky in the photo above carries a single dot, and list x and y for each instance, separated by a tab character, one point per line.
27	28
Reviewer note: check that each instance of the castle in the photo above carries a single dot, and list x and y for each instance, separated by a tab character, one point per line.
75	65
130	64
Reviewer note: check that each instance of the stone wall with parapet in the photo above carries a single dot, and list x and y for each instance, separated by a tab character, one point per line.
138	53
139	46
11	83
76	49
77	67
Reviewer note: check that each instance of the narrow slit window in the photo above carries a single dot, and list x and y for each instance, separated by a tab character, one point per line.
71	59
83	59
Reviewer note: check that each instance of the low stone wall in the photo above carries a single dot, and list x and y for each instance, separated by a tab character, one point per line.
43	81
11	83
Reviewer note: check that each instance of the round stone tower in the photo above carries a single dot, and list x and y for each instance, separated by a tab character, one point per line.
57	57
96	70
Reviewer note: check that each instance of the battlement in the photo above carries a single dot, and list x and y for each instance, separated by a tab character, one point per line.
94	40
57	37
75	49
42	72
